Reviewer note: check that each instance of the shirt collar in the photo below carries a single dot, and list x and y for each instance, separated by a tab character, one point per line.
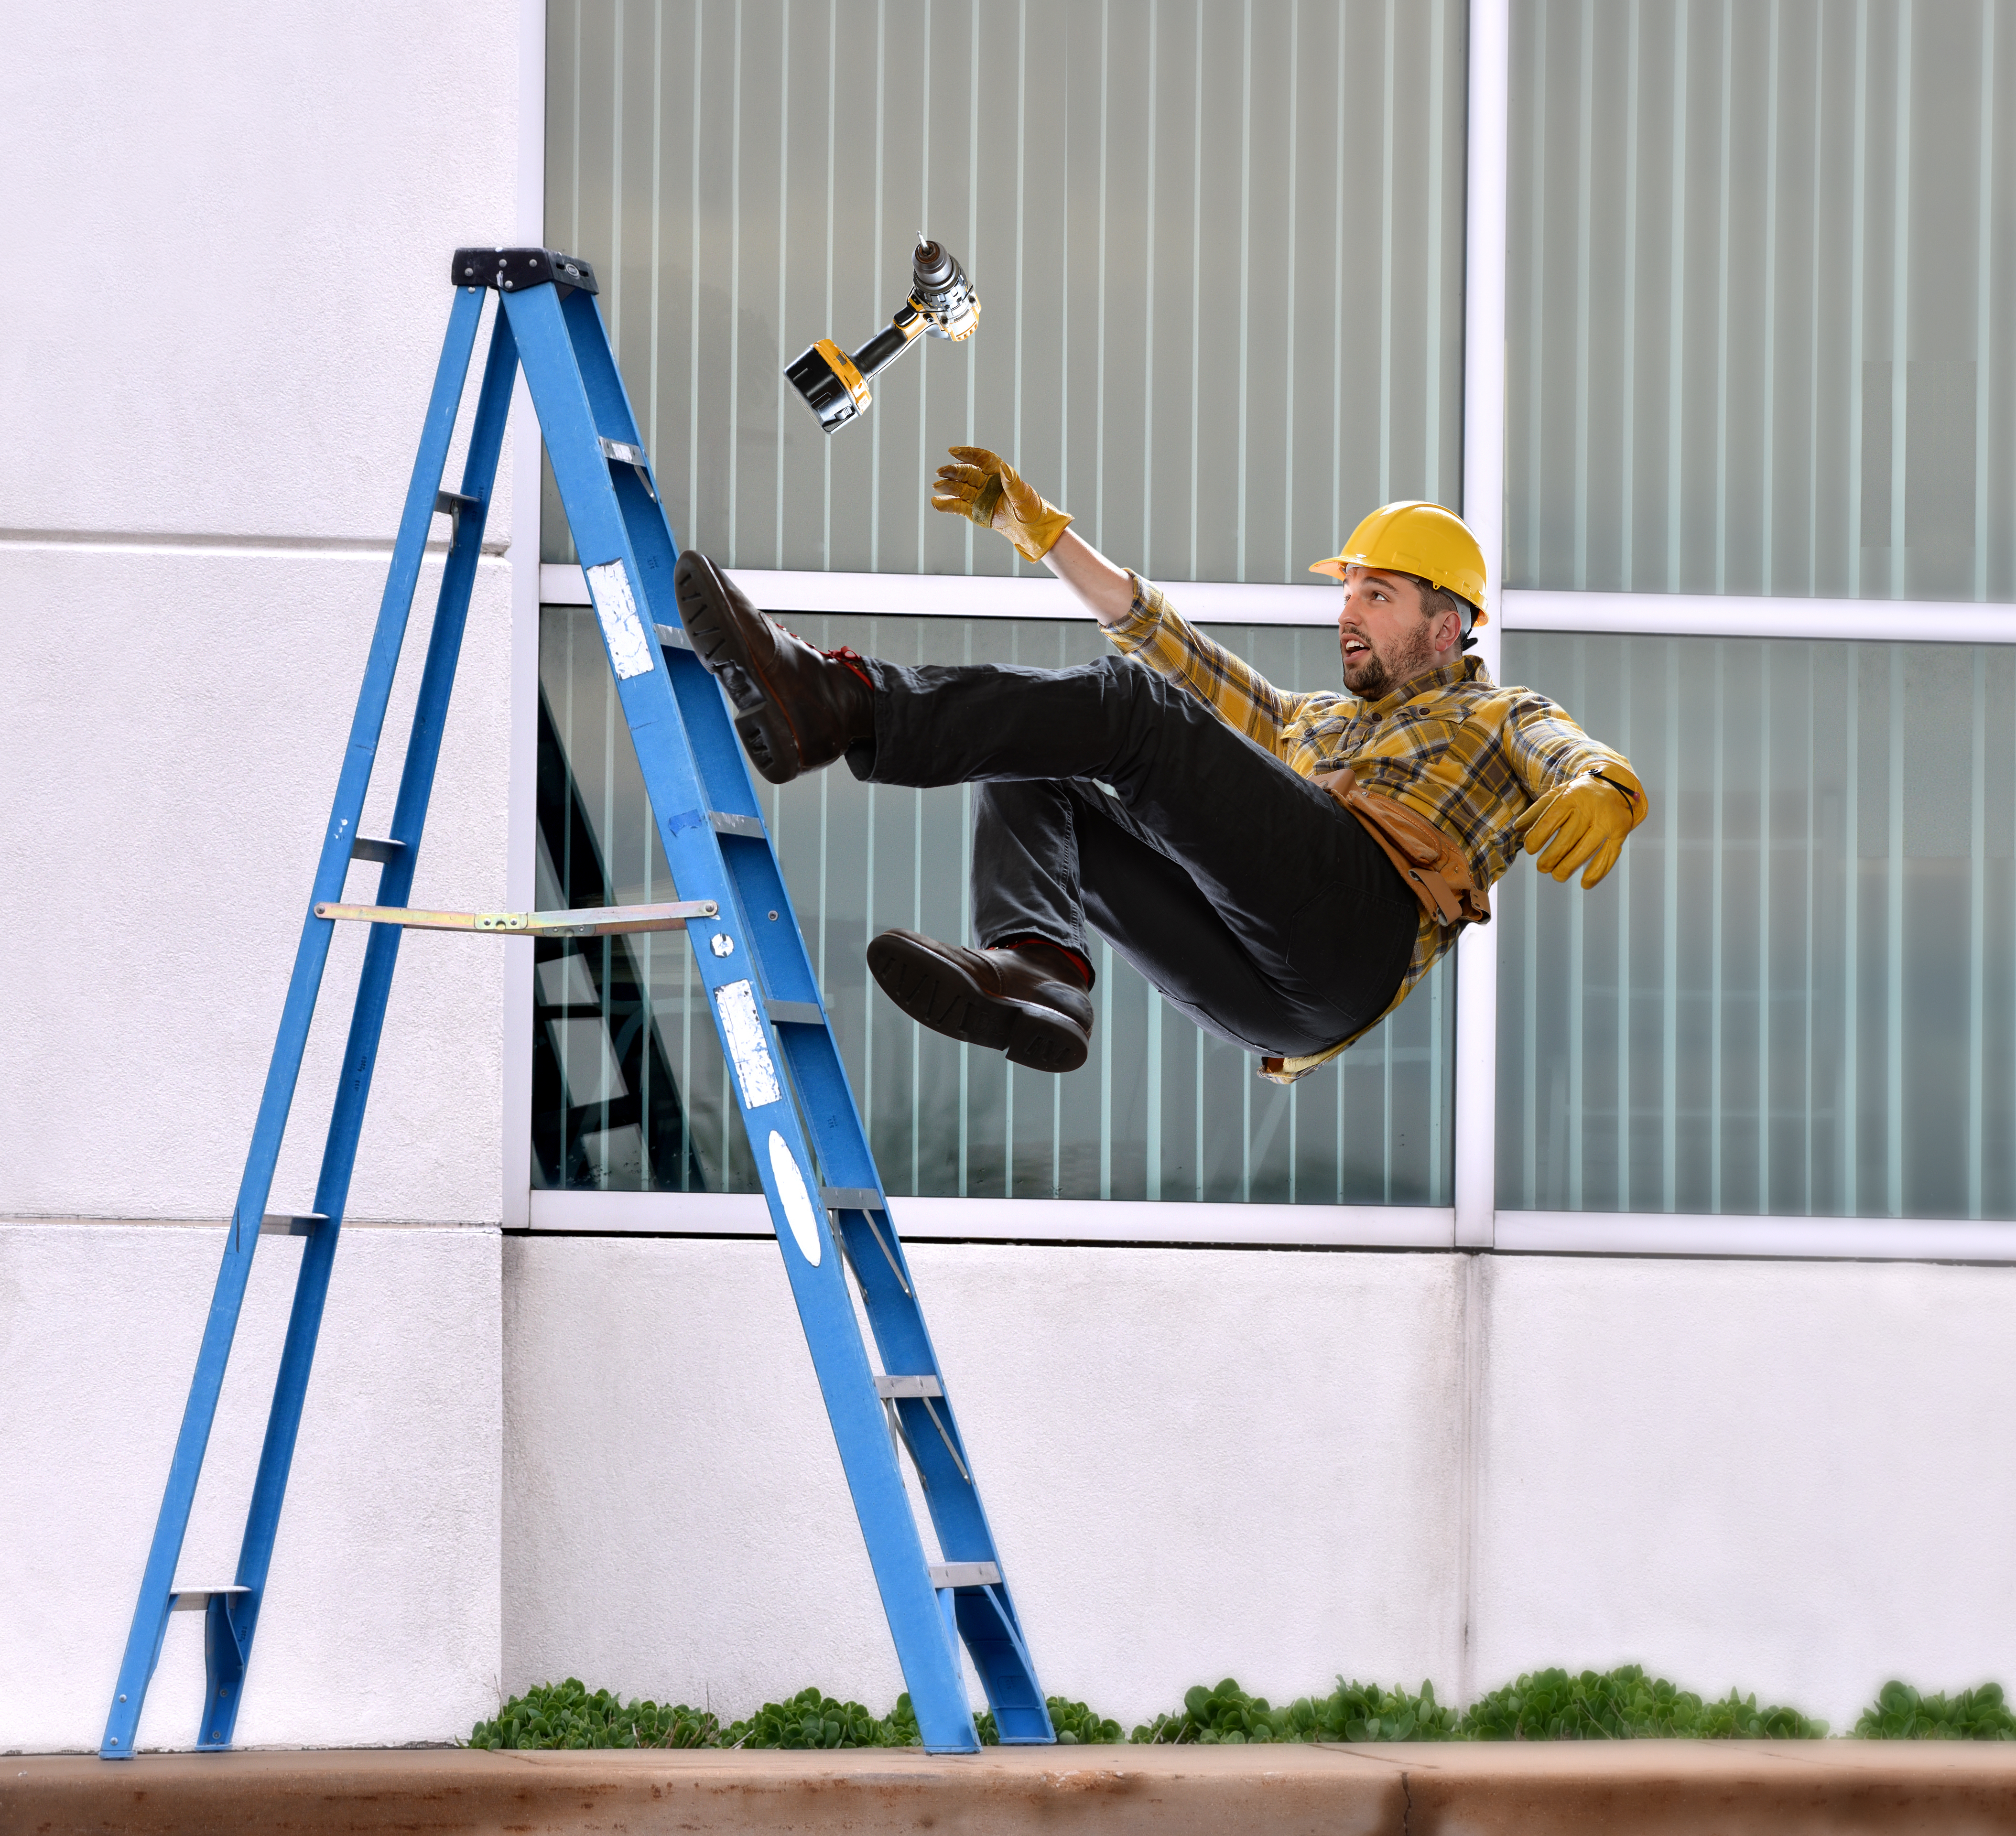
1463	669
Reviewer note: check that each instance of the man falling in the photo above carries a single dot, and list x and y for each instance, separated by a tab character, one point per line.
1284	867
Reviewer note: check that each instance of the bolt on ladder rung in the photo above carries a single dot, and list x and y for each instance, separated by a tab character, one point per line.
373	847
193	1599
965	1575
868	1201
580	921
919	1389
292	1224
621	452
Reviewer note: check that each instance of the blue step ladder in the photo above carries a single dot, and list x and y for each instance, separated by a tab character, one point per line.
825	1198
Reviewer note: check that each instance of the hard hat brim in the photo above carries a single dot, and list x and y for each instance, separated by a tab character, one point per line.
1337	565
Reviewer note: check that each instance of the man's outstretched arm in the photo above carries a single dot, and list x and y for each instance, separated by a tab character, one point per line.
1105	591
985	488
1586	798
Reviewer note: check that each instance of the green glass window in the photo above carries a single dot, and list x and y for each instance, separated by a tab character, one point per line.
1762	263
1221	304
630	1091
1796	994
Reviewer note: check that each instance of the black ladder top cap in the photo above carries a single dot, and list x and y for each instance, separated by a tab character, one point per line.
512	271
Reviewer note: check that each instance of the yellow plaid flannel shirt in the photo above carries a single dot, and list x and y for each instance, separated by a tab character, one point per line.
1451	745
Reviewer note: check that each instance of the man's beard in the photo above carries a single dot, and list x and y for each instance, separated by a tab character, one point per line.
1377	677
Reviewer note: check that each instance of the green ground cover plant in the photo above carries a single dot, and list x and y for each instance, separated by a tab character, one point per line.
1900	1713
1620	1704
1227	1716
1625	1705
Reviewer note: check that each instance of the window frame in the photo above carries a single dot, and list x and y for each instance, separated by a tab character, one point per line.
1472	1221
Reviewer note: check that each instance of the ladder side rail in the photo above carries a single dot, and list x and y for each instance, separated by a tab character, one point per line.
563	351
229	1655
151	1609
646	525
991	1629
841	1152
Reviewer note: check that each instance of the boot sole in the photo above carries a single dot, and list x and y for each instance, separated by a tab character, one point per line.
936	993
716	634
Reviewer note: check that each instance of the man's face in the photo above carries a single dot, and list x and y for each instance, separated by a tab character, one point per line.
1382	634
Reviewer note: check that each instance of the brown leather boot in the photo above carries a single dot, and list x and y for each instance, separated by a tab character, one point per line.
1028	1003
796	708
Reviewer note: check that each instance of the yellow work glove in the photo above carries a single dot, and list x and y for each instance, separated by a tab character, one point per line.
1583	824
983	487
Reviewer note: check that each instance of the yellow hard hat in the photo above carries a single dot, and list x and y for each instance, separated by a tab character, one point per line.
1418	538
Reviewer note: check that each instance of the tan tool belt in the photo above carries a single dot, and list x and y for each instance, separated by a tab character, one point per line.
1431	864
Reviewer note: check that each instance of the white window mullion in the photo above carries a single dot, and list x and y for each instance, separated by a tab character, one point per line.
1484	509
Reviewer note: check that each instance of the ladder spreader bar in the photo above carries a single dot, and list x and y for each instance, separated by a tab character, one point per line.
584	921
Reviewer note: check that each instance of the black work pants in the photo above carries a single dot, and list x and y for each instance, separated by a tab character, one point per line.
1241	890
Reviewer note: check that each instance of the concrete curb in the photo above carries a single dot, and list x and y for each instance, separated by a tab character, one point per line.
1648	1787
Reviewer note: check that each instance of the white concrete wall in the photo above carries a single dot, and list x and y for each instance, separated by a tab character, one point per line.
380	1621
232	224
1196	1463
1789	1478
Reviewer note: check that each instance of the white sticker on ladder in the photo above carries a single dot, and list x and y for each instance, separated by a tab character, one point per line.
616	606
748	1051
798	1201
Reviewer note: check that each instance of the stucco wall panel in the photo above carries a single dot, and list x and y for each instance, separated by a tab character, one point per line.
1196	1463
241	217
180	721
381	1624
1777	1475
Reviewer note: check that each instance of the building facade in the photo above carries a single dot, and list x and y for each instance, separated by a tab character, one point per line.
1627	1296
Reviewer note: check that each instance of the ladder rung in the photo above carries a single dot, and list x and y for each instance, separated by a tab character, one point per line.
966	1575
672	635
725	824
621	452
584	921
888	1388
867	1200
893	1389
799	1013
850	1198
452	503
295	1224
193	1599
372	847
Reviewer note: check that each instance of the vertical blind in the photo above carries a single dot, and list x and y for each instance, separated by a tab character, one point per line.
1762	266
630	1091
1218	245
1797	992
